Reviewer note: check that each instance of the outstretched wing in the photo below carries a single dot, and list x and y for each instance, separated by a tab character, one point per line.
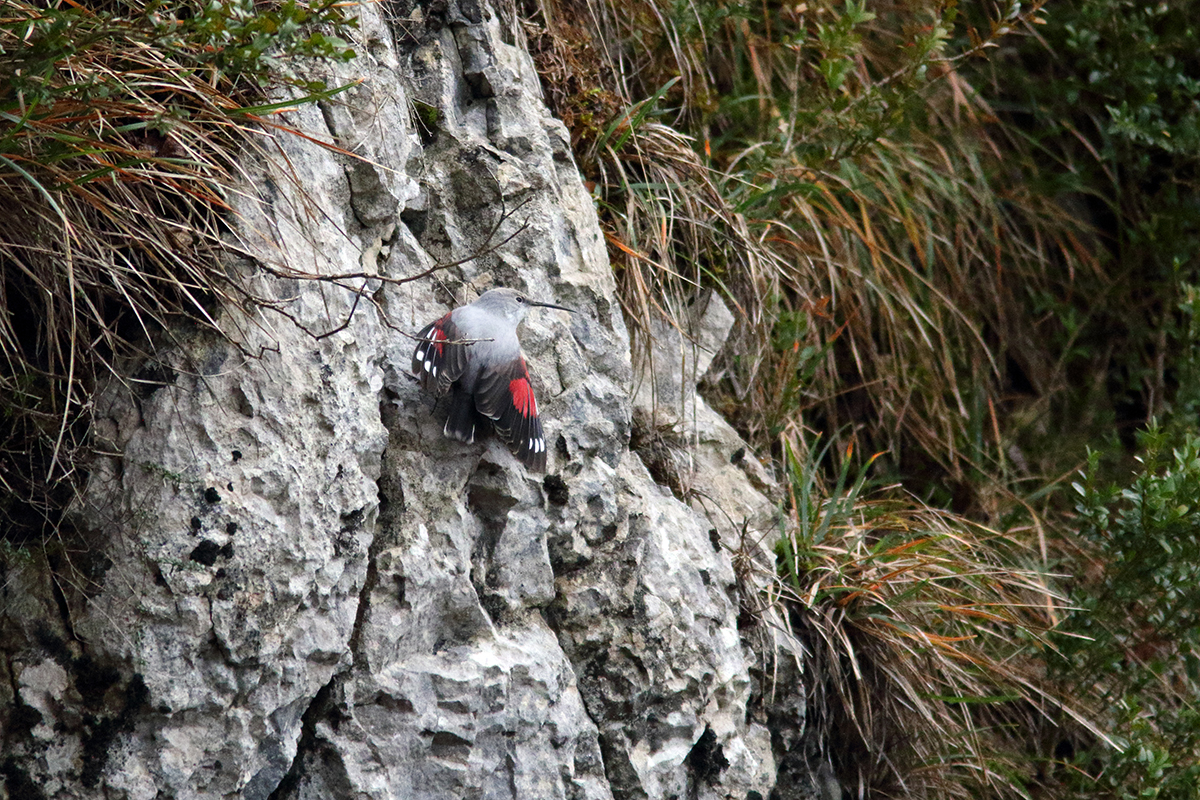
437	362
505	396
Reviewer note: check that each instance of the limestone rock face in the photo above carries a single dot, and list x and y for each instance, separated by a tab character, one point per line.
293	586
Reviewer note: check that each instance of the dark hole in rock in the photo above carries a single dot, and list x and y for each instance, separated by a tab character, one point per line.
707	758
556	490
206	553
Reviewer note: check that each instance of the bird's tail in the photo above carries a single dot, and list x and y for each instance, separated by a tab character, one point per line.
463	421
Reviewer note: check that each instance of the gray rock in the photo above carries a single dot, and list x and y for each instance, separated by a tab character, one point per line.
678	355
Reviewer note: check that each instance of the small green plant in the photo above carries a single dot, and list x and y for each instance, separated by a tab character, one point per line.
177	480
789	373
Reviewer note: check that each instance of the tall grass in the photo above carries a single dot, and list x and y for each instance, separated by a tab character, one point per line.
831	170
927	278
827	168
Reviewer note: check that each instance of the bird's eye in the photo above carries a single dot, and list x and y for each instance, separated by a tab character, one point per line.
520	298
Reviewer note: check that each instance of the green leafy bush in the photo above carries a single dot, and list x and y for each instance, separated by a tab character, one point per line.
1132	641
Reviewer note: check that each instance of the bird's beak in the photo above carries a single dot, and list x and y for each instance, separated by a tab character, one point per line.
551	305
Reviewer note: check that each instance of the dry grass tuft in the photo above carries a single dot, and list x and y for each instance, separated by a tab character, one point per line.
924	636
670	230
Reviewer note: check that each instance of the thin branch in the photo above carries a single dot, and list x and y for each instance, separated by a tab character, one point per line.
344	276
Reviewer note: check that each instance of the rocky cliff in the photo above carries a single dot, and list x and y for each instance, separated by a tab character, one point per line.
283	582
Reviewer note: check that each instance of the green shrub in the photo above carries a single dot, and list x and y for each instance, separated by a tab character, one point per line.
1132	640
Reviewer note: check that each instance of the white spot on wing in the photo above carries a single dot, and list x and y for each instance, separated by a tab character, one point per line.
470	437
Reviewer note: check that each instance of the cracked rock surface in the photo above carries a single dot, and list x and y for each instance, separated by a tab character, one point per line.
288	584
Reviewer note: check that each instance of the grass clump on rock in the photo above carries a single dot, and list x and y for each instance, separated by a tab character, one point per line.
120	125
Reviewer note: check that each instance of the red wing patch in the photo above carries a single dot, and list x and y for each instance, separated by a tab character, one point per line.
522	397
505	396
437	361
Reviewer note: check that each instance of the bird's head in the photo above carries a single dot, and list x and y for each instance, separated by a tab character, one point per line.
511	304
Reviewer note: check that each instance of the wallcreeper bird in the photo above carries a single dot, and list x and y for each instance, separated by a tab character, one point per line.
473	353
